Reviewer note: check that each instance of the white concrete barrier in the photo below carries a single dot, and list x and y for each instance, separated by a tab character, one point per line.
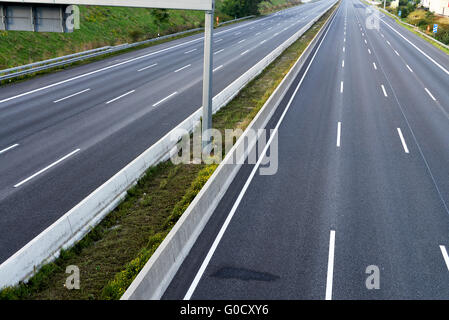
77	222
160	269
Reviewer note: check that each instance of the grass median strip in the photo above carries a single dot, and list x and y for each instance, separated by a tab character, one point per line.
114	252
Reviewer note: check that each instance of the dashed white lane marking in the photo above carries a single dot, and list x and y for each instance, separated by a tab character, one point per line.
397	53
217	52
245	52
218	40
369	51
366	42
190	51
445	256
217	68
408	67
185	67
341	87
431	95
343	49
165	99
404	145
241	41
46	168
330	265
383	89
72	95
389	43
9	148
119	97
148	67
343	63
374	65
339	134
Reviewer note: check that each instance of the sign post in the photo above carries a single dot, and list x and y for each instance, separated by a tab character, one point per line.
207	76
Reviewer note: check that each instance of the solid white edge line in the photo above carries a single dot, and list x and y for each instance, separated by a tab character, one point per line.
383	89
150	66
200	272
339	134
123	95
430	94
9	148
445	255
404	145
166	98
72	95
185	67
330	265
46	168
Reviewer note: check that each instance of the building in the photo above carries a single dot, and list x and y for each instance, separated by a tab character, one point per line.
425	3
436	6
439	7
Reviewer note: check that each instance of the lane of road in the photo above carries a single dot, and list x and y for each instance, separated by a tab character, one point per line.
361	185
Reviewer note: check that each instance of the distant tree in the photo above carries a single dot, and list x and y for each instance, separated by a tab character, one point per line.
240	8
161	15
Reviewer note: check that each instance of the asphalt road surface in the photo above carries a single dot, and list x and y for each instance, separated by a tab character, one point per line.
63	135
362	190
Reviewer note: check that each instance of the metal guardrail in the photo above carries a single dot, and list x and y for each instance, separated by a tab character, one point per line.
415	28
65	60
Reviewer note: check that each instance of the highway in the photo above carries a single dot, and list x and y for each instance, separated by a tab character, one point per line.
64	134
362	183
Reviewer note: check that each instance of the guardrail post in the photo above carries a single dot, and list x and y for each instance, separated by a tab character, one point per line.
207	76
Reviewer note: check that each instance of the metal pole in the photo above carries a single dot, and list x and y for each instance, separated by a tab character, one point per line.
384	3
207	75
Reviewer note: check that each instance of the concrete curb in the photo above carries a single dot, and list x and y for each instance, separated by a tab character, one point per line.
77	222
159	271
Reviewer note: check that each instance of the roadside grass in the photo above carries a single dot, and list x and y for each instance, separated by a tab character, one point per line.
114	252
